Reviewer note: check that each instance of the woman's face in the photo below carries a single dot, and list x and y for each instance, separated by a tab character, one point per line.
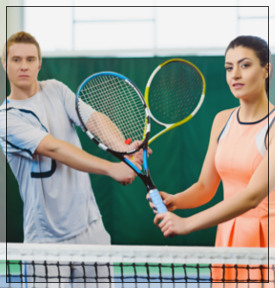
244	74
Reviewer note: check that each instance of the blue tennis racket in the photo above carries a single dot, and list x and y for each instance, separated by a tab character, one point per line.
121	118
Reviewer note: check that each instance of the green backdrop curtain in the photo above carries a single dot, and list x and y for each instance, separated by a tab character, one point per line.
174	165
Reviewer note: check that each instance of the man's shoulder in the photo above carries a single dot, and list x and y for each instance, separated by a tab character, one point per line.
6	108
50	83
4	105
3	113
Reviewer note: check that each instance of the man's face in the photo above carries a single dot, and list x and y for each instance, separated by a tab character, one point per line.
22	65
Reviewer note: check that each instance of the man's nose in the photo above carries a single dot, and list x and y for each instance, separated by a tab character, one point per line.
24	65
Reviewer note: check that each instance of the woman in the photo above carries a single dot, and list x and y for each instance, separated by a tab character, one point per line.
237	155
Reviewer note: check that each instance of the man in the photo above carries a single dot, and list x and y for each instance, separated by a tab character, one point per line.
45	155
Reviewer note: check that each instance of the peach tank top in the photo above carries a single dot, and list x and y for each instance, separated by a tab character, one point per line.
240	150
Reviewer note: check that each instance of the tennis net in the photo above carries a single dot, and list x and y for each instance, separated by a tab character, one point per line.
89	266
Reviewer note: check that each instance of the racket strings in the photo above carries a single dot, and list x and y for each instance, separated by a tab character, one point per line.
122	114
175	92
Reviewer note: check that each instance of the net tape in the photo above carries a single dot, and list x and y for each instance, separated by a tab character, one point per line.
145	263
121	253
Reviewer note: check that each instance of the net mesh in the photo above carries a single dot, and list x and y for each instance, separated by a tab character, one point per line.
122	114
52	265
175	92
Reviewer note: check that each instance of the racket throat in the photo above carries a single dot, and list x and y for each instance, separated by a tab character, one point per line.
147	181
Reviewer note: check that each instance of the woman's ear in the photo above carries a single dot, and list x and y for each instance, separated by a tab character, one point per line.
268	69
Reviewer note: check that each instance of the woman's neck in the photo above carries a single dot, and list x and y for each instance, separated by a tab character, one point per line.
252	111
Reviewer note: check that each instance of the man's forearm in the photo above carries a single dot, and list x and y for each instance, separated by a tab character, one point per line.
72	156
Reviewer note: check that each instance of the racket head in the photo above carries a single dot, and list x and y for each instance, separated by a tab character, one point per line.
118	98
174	92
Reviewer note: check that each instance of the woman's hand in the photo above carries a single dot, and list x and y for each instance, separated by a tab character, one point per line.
171	224
168	200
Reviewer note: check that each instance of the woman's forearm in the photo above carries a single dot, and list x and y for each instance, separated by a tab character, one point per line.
225	210
195	196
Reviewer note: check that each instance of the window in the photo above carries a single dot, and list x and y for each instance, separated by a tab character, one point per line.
110	31
253	20
121	28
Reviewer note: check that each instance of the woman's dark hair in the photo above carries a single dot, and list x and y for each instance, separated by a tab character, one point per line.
259	46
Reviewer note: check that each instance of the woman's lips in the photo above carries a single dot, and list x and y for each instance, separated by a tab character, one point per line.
238	85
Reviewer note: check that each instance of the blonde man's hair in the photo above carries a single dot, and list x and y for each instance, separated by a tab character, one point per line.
20	37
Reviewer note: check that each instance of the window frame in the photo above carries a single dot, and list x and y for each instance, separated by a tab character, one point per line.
155	51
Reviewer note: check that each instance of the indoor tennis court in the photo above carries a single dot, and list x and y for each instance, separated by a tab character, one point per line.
177	52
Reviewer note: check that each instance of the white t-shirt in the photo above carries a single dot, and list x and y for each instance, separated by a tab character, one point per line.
58	201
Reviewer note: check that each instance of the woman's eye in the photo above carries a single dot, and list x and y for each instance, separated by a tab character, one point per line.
228	68
245	65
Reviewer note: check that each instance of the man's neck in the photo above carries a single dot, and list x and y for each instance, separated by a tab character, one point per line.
23	93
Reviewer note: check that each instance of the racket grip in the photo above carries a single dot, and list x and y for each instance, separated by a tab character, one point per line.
157	201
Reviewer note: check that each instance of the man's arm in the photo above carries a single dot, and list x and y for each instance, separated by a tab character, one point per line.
78	159
109	134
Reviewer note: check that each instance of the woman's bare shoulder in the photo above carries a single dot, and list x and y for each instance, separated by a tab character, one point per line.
220	121
224	114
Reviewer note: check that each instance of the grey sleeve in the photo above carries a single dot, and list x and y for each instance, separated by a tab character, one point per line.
20	137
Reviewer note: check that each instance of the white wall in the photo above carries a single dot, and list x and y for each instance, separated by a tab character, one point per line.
14	19
2	157
14	23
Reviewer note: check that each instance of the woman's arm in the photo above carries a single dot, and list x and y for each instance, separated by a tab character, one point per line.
205	188
261	183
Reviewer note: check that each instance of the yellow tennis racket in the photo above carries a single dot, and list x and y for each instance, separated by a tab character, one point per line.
174	94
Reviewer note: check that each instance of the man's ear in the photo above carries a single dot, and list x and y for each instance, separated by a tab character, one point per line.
4	64
39	66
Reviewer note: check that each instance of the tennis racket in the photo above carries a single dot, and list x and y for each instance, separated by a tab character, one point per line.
122	117
174	94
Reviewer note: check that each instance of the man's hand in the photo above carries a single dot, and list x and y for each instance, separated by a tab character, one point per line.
122	173
137	156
